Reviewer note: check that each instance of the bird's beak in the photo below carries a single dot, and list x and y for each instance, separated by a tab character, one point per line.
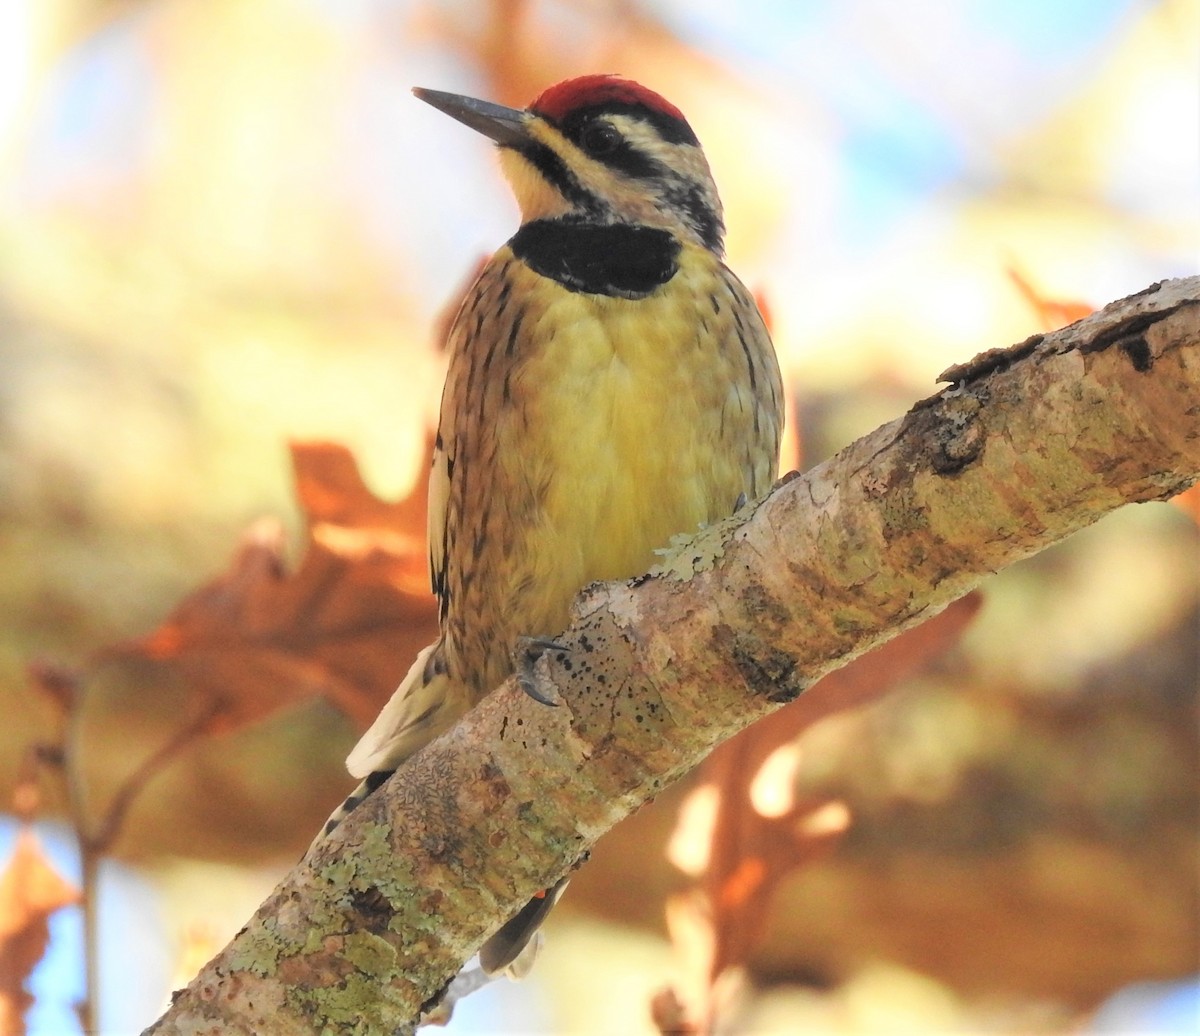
506	126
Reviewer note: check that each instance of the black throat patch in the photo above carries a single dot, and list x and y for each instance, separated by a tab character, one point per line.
599	259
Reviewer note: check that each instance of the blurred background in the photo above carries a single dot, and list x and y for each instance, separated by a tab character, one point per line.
225	226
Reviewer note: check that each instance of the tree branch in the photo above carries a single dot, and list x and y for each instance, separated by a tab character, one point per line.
1028	445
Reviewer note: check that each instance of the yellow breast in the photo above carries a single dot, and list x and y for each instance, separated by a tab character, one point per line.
643	412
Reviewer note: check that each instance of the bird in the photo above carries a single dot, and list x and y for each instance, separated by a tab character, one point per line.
610	385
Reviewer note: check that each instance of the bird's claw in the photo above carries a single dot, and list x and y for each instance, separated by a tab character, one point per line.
529	650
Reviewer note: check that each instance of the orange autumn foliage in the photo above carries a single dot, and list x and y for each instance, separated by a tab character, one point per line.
343	624
742	830
30	891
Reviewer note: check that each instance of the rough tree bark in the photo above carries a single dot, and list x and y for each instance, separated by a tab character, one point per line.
1027	445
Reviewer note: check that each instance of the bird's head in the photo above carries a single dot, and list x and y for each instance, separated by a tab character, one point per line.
600	149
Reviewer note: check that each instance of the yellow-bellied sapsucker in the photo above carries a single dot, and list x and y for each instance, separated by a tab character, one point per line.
611	384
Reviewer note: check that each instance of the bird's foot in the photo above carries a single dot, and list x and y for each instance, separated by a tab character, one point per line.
528	651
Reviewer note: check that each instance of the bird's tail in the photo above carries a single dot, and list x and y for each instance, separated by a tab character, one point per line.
425	704
350	803
513	949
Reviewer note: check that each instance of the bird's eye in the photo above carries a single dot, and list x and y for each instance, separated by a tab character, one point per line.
600	138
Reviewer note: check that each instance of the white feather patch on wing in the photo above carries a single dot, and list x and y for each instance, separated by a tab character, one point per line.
383	746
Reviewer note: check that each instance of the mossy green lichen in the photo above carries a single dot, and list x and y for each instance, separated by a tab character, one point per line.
259	950
370	953
360	1003
688	553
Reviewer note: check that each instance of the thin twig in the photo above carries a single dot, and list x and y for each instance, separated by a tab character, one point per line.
93	845
110	828
71	741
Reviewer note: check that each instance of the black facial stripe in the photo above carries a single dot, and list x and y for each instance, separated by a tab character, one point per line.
620	259
624	157
689	199
629	160
555	172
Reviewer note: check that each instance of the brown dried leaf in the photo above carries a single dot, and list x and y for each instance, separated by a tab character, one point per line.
1053	313
30	891
742	829
26	794
1189	502
343	625
669	1016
